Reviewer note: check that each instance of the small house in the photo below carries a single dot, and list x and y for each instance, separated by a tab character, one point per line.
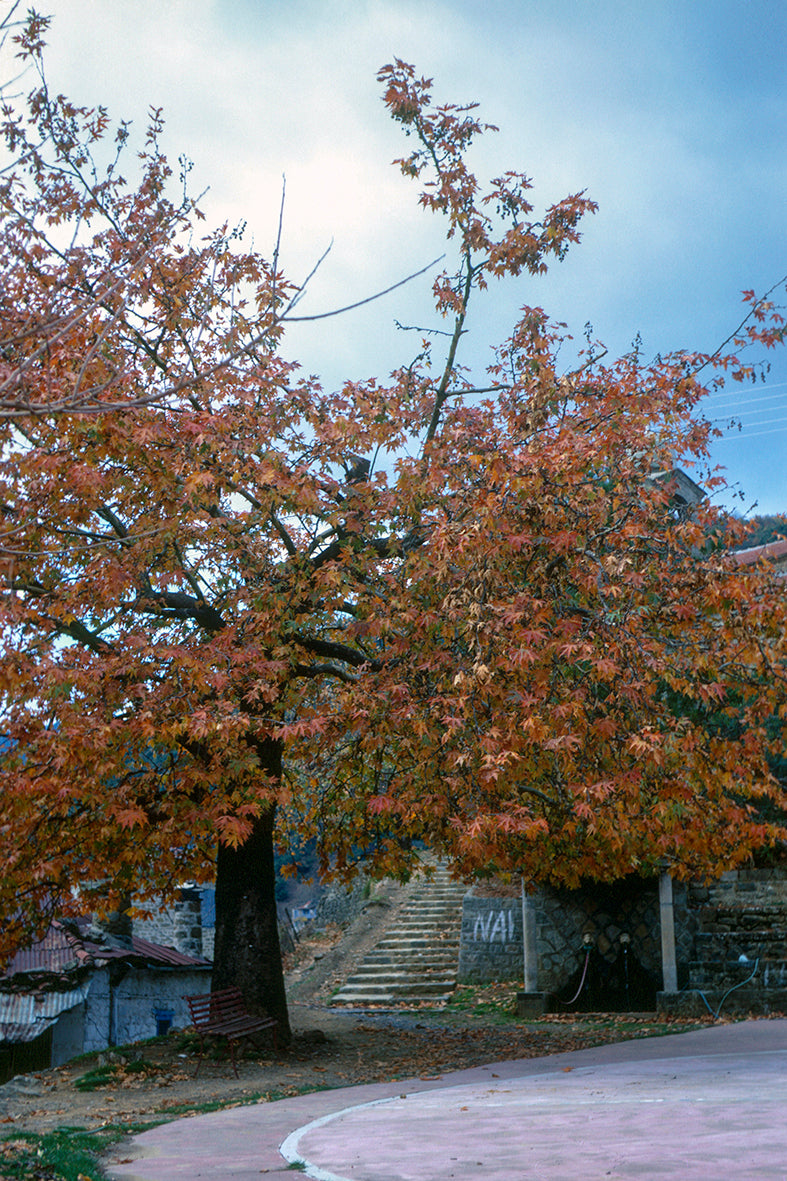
80	989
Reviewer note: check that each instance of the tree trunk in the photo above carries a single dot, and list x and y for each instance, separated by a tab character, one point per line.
247	952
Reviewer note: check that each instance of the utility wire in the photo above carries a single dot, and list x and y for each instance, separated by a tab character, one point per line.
742	437
738	420
775	385
753	402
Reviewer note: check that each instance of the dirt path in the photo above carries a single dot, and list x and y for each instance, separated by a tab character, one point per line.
329	1050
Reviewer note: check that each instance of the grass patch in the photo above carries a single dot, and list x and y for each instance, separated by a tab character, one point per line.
496	1003
272	1096
496	1000
67	1154
128	1051
73	1154
111	1073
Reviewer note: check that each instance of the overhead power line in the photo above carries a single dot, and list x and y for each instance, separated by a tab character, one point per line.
727	393
755	401
742	436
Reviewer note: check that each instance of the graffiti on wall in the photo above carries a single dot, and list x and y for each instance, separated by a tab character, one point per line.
494	926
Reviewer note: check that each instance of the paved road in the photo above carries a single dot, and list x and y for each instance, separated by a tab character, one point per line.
708	1105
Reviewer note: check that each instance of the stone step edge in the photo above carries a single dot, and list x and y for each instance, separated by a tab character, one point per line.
448	977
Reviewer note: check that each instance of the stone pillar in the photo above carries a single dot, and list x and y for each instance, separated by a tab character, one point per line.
529	944
118	925
531	1002
187	921
667	921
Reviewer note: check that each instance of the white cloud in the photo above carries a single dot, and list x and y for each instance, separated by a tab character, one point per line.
678	140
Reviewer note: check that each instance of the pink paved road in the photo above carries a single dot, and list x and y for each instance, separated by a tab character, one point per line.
708	1105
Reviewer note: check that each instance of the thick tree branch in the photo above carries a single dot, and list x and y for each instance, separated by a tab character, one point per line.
336	650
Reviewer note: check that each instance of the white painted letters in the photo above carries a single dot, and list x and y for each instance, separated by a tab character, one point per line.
494	926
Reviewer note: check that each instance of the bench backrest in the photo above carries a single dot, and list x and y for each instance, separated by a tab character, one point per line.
223	1005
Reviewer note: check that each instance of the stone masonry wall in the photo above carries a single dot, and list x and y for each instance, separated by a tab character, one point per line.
125	1009
749	887
340	904
491	941
739	961
178	925
605	913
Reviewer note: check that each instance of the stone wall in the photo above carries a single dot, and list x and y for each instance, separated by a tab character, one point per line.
602	914
739	957
178	925
121	1005
491	940
618	924
340	904
723	931
747	887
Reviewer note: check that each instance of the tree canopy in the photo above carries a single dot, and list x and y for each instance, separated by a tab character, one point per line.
409	610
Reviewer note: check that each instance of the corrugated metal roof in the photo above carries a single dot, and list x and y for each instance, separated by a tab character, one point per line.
153	953
25	1015
61	951
58	951
157	953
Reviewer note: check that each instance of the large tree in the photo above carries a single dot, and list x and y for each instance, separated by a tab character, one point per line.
405	610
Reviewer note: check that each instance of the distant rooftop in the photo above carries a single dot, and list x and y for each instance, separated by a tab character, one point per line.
64	949
772	551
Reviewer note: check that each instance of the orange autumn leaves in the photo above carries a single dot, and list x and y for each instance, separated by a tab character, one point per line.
467	615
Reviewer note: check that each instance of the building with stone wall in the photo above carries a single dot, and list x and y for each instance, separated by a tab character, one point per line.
81	989
186	924
601	948
605	937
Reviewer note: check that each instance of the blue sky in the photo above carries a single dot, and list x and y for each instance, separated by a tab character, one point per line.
672	116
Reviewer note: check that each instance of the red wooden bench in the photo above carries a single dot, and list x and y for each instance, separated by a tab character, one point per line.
224	1014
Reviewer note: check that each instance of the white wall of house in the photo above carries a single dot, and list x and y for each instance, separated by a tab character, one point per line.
124	1012
68	1035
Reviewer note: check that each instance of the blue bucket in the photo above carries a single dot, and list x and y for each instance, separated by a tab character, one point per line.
163	1019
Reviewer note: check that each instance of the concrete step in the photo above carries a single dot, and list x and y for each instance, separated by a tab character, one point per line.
446	914
418	923
412	955
401	989
421	941
417	943
399	981
416	930
411	966
411	978
361	1001
418	956
441	919
417	959
401	971
441	898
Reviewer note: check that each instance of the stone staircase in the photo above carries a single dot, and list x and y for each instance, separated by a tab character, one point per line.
742	926
417	957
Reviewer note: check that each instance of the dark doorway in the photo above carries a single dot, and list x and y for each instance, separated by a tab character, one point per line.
600	985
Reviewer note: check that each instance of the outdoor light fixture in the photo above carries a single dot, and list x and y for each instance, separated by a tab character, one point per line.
625	939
